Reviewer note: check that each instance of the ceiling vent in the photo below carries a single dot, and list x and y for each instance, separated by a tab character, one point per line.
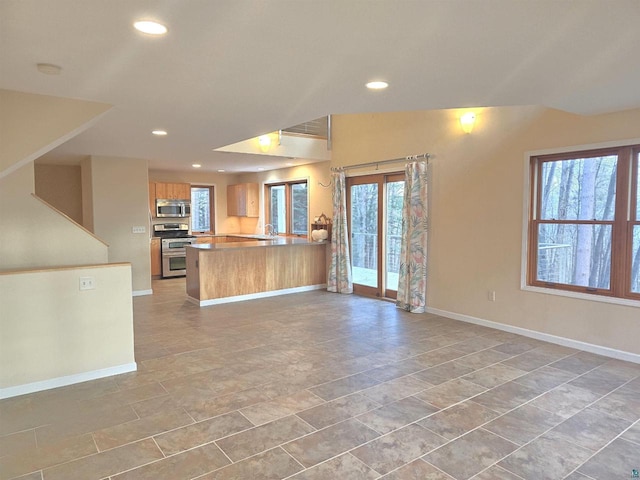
314	128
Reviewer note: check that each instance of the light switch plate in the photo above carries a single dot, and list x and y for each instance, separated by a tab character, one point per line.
138	229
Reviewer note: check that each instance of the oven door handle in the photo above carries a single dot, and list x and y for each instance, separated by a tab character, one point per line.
174	254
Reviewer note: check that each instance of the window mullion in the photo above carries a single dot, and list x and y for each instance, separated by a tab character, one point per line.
535	186
289	208
635	219
620	271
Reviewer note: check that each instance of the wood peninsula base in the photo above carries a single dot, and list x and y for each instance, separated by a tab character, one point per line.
231	272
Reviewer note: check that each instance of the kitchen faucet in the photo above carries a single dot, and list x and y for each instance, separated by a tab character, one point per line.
270	230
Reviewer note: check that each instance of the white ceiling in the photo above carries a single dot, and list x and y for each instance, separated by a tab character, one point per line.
229	70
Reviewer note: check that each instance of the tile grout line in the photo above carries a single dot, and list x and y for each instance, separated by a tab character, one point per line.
422	418
499	416
99	453
223	452
564	420
498	466
437	468
354	362
93	439
596	452
295	460
152	437
158	447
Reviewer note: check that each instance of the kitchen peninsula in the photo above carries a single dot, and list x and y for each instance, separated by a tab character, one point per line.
229	272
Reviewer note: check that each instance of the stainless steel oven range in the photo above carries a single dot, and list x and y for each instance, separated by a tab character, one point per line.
174	238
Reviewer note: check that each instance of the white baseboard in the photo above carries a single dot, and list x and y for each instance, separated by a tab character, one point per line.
253	296
140	293
66	380
546	337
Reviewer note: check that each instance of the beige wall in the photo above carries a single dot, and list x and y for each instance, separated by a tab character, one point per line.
87	193
36	124
314	173
476	210
120	202
223	223
61	186
37	235
51	329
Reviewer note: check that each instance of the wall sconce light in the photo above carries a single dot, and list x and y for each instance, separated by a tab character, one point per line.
265	142
466	121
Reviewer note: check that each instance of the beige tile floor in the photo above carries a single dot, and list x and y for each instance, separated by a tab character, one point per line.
322	386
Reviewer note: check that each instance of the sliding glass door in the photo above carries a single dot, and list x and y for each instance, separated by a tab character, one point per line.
375	224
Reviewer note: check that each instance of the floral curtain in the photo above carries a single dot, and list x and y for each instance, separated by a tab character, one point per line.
412	283
340	280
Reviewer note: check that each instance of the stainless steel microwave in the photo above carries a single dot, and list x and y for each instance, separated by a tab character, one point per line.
173	208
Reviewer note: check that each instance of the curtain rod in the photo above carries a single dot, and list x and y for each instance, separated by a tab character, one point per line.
409	158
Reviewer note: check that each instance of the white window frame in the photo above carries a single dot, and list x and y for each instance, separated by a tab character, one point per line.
214	226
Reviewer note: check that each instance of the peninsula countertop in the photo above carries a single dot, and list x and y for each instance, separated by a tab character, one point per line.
257	241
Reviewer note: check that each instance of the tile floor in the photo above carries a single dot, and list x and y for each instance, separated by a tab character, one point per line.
322	386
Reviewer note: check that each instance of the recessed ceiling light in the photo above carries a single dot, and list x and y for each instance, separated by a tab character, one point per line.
152	28
377	85
221	170
196	165
49	69
160	133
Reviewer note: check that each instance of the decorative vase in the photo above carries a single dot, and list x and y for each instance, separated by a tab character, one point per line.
319	235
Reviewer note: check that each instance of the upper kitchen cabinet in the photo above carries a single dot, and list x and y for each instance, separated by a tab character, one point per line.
173	191
242	200
167	191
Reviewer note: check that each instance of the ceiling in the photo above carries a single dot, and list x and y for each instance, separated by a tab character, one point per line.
229	70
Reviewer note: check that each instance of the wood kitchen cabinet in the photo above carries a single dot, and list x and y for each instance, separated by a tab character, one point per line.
289	264
173	191
152	198
242	200
156	259
167	191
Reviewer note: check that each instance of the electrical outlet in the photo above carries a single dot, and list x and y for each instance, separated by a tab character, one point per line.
87	283
139	229
491	296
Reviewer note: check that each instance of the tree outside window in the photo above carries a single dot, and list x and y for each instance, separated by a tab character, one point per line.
202	209
288	209
278	208
299	209
635	249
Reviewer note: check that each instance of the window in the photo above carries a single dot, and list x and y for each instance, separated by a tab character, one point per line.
584	228
287	209
202	209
